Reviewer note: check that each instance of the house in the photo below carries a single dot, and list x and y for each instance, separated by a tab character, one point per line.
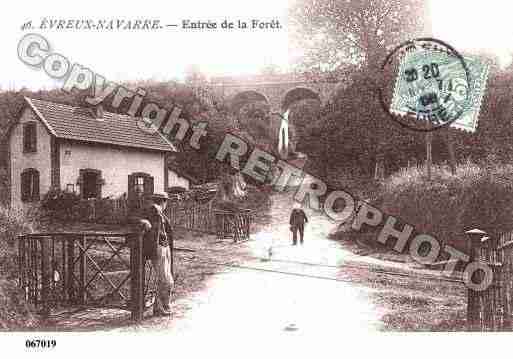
85	150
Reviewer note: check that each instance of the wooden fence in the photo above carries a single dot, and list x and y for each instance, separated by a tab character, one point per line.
192	216
492	309
107	210
106	269
192	211
235	225
90	269
206	218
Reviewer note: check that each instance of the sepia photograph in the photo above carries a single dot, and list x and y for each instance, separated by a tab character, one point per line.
256	178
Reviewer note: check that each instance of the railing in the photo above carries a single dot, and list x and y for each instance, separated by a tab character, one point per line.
107	210
492	308
234	225
192	216
205	218
192	211
91	269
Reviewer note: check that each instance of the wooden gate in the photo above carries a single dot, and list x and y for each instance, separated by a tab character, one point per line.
492	308
90	269
230	224
191	215
200	215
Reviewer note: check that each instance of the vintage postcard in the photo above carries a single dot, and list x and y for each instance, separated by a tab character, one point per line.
256	178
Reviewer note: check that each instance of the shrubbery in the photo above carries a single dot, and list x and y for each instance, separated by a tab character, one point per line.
58	204
256	198
476	197
14	313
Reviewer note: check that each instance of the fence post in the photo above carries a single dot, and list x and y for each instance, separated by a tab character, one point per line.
70	243
137	274
83	270
21	261
46	275
507	287
473	308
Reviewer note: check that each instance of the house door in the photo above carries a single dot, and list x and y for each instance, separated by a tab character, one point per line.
90	184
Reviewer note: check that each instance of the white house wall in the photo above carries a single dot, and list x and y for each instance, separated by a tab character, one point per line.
39	160
114	163
174	180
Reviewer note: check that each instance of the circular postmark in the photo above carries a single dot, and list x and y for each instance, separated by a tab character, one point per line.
432	86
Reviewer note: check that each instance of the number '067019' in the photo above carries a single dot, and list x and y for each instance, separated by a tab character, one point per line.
40	343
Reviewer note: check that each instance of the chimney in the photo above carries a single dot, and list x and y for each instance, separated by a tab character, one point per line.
97	112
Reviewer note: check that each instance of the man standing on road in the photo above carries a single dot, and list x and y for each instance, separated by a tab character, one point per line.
158	247
298	220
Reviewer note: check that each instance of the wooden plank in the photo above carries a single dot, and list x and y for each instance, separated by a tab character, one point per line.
68	234
35	284
82	270
21	262
30	266
473	296
64	276
136	276
70	290
53	264
46	275
507	290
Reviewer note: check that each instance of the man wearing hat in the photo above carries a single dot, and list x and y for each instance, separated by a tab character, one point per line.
158	245
297	222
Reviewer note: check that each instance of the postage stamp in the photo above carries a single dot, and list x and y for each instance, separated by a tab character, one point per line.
437	88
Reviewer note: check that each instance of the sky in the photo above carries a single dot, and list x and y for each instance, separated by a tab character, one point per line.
166	54
162	55
484	25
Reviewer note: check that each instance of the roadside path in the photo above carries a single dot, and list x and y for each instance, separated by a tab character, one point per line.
284	298
319	291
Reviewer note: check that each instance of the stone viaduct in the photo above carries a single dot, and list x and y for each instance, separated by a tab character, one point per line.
280	92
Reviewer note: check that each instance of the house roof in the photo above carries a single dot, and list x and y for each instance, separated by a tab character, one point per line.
78	123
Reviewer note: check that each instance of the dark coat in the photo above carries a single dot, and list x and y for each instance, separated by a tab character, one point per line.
159	223
298	218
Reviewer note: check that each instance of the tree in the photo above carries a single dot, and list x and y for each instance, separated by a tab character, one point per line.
253	118
303	118
339	34
335	33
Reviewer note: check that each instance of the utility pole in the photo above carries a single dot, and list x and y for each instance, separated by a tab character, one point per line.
429	160
450	148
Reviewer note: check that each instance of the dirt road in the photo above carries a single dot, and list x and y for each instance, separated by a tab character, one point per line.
312	292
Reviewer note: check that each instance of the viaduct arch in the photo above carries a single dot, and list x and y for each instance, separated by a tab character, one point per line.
280	92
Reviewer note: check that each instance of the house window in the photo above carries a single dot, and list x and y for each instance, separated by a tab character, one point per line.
140	184
90	183
30	137
30	185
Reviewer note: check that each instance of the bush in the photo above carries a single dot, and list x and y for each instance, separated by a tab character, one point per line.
448	205
58	204
256	198
14	313
176	189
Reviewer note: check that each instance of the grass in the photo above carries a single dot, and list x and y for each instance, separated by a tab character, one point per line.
447	204
415	304
14	312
